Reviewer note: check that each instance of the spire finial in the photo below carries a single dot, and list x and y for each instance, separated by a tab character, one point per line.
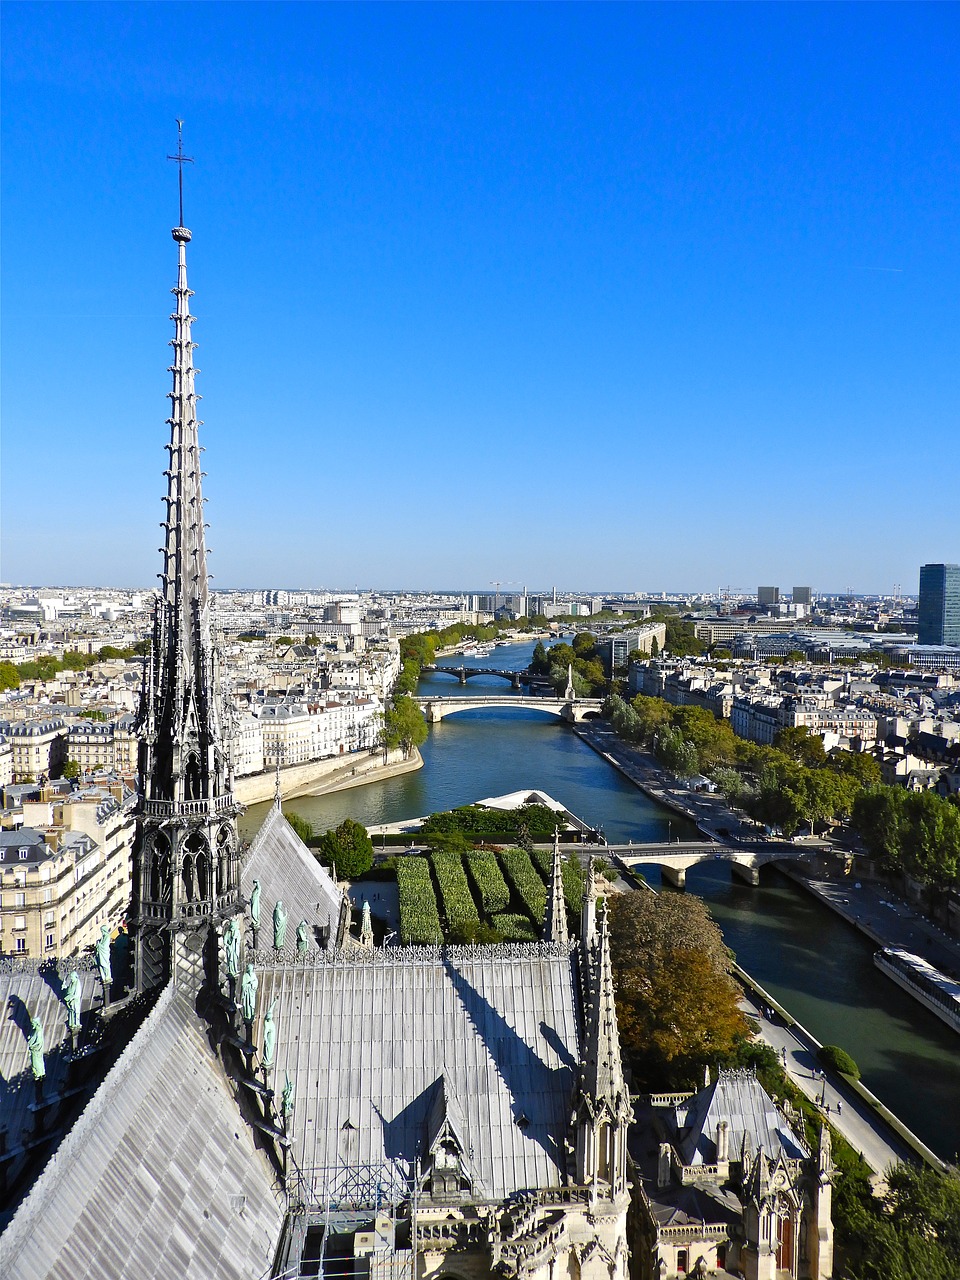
180	160
278	793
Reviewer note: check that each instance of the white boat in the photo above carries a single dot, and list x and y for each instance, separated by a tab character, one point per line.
933	989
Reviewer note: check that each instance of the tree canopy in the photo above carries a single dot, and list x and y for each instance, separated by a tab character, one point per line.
348	848
676	1002
404	725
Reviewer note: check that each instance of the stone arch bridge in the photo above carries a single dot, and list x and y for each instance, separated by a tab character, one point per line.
462	674
573	710
675	860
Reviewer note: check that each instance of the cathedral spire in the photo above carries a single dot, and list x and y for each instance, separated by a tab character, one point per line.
555	924
602	1066
603	1109
188	852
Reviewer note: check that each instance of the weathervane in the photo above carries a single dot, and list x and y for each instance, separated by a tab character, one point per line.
180	159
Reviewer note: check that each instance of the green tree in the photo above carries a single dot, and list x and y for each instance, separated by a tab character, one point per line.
797	742
539	663
676	753
301	826
348	848
654	648
71	770
404	725
677	1004
9	676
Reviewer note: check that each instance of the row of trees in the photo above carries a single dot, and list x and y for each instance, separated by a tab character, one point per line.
914	832
45	667
589	677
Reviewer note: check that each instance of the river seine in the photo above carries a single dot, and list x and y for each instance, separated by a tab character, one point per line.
816	965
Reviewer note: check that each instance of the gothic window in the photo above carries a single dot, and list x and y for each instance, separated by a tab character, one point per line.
196	868
193	782
160	869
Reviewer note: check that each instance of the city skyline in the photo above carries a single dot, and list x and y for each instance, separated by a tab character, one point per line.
683	276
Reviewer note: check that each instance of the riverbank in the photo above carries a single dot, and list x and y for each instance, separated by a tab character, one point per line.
319	777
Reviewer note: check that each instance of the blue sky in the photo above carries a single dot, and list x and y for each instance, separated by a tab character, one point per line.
637	297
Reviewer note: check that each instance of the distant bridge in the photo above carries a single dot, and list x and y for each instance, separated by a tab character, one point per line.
675	860
573	710
463	674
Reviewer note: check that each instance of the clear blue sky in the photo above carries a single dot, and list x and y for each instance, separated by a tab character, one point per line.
630	296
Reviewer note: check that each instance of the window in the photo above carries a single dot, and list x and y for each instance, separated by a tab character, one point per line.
19	899
19	922
48	895
21	944
24	854
50	942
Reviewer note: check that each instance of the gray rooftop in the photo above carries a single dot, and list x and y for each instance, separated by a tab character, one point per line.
738	1098
27	992
287	870
366	1037
162	1155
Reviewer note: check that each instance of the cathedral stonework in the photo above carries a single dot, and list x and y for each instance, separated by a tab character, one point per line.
187	873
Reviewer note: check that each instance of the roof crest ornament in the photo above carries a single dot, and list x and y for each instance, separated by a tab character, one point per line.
180	160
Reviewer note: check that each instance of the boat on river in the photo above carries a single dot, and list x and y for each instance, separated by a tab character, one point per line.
940	994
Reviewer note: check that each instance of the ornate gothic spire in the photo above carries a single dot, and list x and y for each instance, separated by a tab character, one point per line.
602	1073
603	1109
188	872
555	924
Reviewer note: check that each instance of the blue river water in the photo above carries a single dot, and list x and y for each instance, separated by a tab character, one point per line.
814	963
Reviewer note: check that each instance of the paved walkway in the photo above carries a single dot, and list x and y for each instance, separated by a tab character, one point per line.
849	1114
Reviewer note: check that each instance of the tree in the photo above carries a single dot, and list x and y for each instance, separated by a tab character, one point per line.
676	753
348	848
9	676
676	1002
539	663
301	826
71	770
654	648
801	745
404	725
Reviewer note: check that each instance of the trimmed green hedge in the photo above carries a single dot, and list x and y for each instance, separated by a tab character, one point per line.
514	928
836	1059
491	886
529	888
458	904
419	916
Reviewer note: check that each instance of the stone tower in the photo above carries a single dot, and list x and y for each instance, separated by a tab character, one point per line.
187	867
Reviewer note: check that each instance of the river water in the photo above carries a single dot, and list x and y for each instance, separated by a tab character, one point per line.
814	963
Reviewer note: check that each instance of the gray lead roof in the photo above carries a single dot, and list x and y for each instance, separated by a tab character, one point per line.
288	871
366	1043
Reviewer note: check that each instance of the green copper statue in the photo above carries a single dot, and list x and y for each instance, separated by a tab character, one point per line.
279	926
35	1045
248	993
286	1101
255	905
102	952
71	998
303	938
269	1036
231	945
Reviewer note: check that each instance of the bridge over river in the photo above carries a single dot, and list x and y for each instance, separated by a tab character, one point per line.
675	859
463	673
573	710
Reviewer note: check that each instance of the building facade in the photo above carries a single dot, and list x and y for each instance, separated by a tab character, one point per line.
938	618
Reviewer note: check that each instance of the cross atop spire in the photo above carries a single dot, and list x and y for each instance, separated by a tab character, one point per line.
180	160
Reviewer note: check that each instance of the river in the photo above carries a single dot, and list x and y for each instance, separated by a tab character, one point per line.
815	964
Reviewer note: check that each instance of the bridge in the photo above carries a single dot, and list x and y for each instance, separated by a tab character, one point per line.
573	710
676	859
463	674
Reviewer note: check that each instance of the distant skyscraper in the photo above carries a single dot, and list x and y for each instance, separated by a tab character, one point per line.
939	617
767	596
802	595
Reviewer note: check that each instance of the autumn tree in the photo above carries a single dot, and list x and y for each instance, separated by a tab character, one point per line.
677	1004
